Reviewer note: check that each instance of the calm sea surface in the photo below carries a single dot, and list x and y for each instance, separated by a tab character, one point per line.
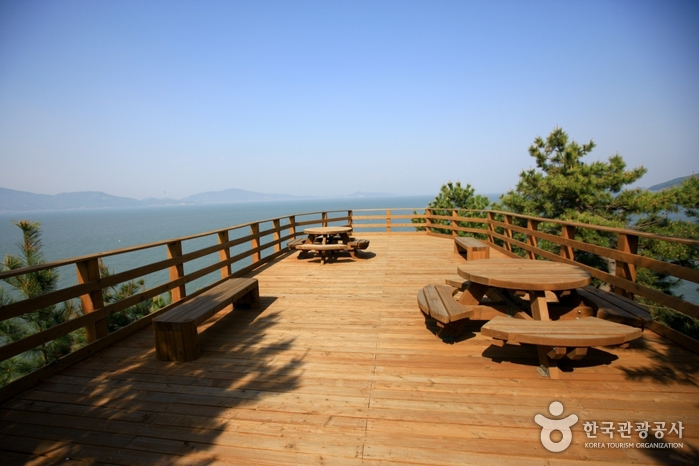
72	233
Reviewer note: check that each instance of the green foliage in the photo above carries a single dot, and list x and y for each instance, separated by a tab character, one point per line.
673	319
453	196
122	291
564	187
31	285
37	283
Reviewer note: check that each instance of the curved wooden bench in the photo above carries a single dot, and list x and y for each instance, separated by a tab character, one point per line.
437	302
323	249
582	333
294	243
615	308
559	338
473	248
358	244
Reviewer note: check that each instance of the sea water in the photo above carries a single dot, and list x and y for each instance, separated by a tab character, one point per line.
74	233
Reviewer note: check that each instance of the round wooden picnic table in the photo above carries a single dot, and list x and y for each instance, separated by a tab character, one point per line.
329	240
328	234
535	277
526	275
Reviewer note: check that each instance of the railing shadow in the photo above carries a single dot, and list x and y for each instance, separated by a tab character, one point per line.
124	406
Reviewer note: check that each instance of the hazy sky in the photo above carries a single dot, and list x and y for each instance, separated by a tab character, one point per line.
172	98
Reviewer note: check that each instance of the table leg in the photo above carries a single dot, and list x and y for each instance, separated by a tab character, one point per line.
473	294
548	366
540	311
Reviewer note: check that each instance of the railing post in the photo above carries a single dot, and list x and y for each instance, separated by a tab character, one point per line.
532	225
567	232
454	215
88	271
325	219
174	250
428	221
255	243
388	221
224	254
629	244
277	235
350	221
508	233
292	225
491	228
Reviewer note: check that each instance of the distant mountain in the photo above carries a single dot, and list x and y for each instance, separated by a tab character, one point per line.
668	184
363	194
235	195
12	200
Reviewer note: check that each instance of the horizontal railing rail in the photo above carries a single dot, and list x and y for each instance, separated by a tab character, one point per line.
243	248
264	240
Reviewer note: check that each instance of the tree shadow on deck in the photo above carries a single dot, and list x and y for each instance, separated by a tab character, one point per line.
667	455
123	406
668	363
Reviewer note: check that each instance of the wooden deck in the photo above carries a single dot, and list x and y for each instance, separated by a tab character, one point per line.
338	367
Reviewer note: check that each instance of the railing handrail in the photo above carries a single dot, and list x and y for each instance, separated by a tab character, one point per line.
155	244
606	229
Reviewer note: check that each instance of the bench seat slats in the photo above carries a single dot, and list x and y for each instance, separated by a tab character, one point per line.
586	332
473	248
615	308
296	242
322	247
175	332
438	302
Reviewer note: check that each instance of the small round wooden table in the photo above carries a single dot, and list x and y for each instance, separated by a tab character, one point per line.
328	233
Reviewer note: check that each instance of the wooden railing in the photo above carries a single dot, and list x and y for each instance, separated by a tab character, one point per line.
265	242
241	249
519	236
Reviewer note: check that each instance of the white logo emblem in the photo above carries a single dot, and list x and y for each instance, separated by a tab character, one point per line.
561	425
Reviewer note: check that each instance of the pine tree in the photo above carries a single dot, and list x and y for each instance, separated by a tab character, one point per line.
453	196
564	187
31	285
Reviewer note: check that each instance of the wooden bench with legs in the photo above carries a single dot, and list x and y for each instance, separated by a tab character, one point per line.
473	248
324	250
437	302
176	337
614	307
358	244
297	242
559	338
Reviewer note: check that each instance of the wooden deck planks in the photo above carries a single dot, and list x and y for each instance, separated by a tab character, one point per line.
338	367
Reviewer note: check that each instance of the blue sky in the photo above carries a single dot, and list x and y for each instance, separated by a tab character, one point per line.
171	98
